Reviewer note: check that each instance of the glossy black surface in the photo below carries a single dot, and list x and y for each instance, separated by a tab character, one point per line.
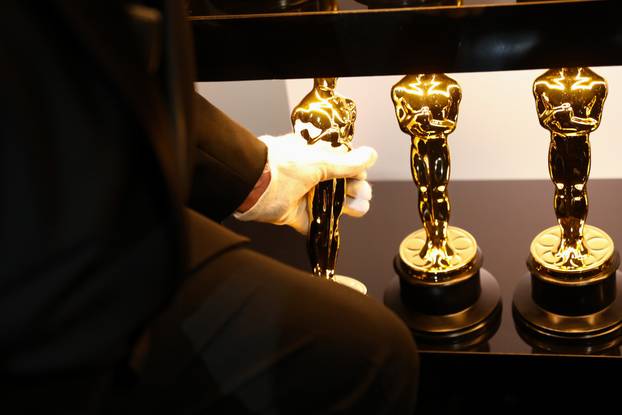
459	331
575	300
410	40
504	216
600	329
446	297
511	372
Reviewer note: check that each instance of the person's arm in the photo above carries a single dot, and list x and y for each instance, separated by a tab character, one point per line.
267	178
228	163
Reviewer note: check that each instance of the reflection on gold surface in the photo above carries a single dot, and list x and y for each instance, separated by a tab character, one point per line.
463	245
569	102
426	106
599	245
325	116
329	5
328	113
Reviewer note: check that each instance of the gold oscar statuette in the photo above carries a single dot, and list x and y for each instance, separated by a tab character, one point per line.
439	266
570	290
324	117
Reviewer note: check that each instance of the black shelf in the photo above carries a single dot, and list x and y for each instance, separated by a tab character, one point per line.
411	40
508	372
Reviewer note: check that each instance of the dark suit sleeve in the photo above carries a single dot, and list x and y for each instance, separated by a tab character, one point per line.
228	161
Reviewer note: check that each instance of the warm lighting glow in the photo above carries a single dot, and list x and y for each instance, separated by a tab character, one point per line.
324	115
569	103
426	106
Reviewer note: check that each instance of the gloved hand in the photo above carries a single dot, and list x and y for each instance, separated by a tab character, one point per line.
296	168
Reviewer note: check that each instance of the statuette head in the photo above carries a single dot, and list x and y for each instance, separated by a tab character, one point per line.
427	104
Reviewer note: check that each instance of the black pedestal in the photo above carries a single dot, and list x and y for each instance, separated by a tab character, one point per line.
459	313
579	313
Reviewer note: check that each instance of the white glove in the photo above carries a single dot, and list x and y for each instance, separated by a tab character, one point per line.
297	167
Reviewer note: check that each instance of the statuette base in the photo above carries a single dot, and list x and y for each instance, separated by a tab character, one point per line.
585	312
356	285
543	344
464	310
599	246
580	307
461	242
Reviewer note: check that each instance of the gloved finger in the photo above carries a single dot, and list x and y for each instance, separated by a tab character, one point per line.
358	189
300	218
302	227
356	207
350	164
288	139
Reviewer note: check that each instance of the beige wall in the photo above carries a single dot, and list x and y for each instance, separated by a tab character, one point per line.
261	106
498	135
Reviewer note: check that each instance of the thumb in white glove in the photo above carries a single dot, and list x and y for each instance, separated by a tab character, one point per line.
297	167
